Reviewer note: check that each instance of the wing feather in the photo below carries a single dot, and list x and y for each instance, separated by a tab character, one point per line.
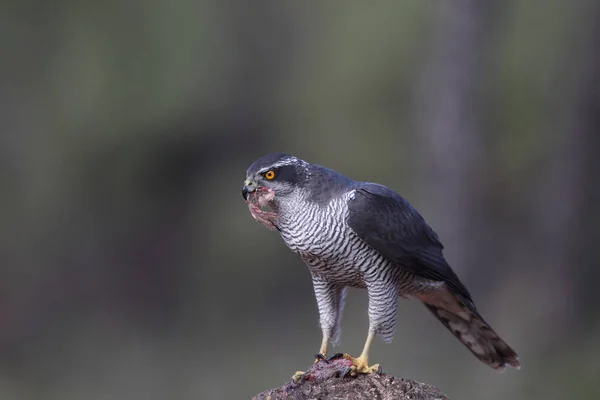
388	223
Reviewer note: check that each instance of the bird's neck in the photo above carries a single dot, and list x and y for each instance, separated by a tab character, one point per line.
295	203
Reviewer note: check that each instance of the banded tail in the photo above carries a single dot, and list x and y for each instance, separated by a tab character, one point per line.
476	334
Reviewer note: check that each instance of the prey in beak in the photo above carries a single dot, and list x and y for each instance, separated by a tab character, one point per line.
260	200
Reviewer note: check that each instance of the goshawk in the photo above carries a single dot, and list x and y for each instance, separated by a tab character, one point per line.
365	235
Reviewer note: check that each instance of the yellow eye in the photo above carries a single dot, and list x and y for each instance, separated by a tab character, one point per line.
270	175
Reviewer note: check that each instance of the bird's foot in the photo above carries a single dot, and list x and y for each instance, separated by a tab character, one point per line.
298	376
320	357
360	365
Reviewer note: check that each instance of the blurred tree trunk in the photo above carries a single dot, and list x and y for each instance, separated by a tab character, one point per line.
448	126
568	214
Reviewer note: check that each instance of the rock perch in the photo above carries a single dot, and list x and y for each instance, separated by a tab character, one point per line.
334	380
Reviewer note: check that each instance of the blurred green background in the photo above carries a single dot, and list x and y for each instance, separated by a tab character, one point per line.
130	266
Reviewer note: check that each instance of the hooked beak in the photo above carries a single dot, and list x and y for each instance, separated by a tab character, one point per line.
249	186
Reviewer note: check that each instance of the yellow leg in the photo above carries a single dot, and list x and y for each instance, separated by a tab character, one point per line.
323	350
361	364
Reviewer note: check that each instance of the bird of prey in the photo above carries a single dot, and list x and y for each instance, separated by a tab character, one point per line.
365	235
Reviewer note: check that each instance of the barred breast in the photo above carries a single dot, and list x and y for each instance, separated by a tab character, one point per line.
321	236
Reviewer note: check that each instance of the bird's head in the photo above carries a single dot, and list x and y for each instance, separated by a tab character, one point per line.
274	177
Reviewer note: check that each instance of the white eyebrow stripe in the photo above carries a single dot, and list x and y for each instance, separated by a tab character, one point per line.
287	161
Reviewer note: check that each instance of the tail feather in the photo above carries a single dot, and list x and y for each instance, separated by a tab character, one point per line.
477	335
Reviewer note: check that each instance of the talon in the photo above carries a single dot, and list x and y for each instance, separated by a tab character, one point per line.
298	377
361	365
320	357
337	356
344	372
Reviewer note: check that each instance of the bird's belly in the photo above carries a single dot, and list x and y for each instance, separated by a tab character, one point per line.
334	270
337	260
